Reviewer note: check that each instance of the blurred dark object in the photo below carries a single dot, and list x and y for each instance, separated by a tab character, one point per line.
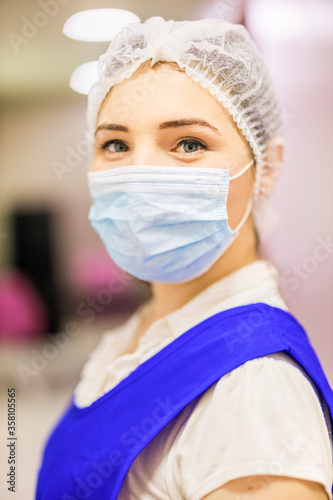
100	285
34	256
22	312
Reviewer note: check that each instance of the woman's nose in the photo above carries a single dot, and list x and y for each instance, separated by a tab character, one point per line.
145	153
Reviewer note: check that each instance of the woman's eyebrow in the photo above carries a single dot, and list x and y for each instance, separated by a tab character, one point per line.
111	126
187	121
170	124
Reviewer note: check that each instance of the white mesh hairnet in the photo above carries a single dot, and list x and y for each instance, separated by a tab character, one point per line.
218	54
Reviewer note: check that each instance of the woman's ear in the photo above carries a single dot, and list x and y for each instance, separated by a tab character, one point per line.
272	160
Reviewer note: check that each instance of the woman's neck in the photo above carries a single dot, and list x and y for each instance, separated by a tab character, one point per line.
167	297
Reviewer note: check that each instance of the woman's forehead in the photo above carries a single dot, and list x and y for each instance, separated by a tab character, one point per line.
161	92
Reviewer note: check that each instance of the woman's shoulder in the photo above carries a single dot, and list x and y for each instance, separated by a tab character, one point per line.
263	417
276	380
270	375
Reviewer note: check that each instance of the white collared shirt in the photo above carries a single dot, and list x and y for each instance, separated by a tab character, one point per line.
264	417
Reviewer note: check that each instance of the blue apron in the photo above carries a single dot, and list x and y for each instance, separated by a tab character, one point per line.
91	449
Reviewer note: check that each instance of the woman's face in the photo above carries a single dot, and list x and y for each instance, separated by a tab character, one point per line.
147	120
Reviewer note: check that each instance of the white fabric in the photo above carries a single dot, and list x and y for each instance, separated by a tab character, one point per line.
264	417
216	53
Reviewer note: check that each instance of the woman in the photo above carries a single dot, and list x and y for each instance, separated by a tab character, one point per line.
211	389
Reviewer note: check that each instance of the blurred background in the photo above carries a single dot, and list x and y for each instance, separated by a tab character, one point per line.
56	280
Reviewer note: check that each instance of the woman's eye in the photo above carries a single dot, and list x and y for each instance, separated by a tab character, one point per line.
191	145
108	145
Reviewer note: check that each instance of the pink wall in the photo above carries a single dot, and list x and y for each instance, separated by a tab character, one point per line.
296	39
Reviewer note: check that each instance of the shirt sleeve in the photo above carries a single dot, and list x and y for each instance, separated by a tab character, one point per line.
264	417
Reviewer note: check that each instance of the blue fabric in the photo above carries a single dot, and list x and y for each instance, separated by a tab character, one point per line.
91	449
163	223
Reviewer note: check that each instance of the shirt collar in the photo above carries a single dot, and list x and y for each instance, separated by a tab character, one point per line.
255	282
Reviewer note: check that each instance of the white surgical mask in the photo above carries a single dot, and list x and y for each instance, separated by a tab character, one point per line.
160	223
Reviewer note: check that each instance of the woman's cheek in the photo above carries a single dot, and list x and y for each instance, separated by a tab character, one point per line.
238	199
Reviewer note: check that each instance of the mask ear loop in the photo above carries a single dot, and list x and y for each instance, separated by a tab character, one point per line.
250	204
242	171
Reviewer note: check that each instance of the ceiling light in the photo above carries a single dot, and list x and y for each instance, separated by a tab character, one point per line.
97	25
83	77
